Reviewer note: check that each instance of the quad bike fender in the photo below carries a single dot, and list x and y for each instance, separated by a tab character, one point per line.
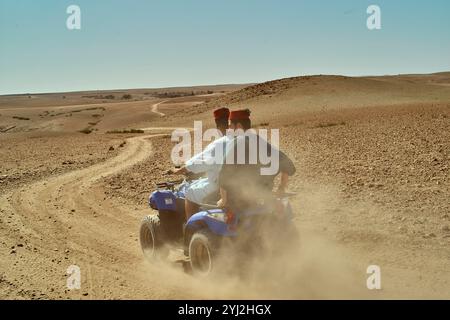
162	200
214	220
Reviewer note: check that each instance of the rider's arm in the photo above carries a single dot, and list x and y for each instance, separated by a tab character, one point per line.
181	171
287	169
283	182
286	164
223	198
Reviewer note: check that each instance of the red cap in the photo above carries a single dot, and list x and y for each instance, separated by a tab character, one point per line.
221	113
240	114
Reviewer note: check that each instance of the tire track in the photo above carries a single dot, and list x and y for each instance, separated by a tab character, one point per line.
69	221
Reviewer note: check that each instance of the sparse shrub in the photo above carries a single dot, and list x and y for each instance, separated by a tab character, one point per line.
95	108
126	131
173	94
86	130
330	124
20	118
136	131
89	109
127	96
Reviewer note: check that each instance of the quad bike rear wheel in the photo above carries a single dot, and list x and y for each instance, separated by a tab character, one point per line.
201	252
152	237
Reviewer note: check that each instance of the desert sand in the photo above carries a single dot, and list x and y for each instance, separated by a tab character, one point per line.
372	157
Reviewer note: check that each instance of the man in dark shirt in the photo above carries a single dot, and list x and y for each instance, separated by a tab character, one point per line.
242	182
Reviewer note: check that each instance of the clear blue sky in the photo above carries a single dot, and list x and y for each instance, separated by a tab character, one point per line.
159	43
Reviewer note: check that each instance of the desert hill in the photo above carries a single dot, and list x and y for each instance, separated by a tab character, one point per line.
372	157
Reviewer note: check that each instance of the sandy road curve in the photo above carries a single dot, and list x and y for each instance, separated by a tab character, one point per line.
155	108
67	220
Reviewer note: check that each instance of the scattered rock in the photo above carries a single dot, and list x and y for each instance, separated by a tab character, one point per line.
13	251
429	235
111	148
402	229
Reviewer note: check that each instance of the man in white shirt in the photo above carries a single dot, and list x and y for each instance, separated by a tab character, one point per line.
206	162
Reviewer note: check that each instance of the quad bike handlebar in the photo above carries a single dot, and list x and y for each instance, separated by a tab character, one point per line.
169	184
189	176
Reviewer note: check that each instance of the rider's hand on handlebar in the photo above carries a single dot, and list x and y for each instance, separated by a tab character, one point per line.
180	171
221	203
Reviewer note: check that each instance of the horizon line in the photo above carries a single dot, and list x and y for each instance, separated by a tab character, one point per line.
218	84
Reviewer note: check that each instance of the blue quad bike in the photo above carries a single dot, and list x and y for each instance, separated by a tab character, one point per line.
205	235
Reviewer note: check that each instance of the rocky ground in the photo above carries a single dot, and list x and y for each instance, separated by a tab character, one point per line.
373	161
397	158
135	184
33	157
403	164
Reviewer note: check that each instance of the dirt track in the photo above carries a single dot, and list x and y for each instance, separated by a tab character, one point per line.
68	220
62	219
155	109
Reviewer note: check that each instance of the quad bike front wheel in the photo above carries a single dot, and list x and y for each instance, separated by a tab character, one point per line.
201	253
151	237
